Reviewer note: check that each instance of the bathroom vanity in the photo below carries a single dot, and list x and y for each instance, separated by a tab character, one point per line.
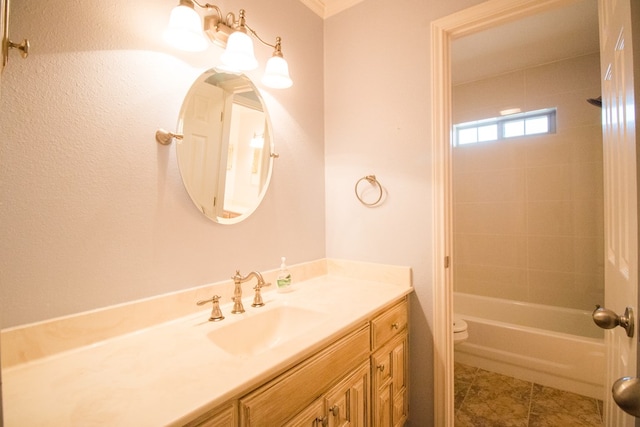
332	352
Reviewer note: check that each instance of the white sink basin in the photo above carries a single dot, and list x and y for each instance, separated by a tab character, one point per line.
265	330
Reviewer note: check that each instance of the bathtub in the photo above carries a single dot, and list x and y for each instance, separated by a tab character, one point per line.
552	346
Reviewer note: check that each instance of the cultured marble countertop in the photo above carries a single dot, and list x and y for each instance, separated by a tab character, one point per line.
172	372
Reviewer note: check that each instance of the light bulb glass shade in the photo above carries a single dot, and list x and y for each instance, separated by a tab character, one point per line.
276	73
239	52
257	141
185	31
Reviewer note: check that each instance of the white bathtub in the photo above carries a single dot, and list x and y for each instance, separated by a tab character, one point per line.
552	346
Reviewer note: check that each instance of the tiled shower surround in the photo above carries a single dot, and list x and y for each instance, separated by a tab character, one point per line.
528	212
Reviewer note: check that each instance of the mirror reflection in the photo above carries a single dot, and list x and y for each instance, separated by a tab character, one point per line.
225	154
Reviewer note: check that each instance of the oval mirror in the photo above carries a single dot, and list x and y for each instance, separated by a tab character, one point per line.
225	155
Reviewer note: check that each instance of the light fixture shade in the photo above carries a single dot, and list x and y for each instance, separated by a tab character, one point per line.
276	73
239	52
185	31
257	141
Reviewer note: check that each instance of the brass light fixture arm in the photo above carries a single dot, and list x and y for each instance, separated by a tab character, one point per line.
275	46
229	23
229	20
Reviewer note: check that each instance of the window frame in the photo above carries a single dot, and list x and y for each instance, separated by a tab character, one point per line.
499	122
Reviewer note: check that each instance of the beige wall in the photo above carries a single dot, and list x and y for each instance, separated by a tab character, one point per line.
93	210
377	121
528	212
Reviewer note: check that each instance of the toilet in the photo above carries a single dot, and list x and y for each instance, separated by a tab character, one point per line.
460	333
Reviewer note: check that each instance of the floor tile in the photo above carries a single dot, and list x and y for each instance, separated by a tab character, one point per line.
551	407
495	400
484	398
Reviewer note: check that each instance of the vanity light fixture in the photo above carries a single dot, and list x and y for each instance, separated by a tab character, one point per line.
184	32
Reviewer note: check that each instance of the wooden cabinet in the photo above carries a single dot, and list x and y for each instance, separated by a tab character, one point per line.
389	367
313	415
275	402
222	416
359	380
345	404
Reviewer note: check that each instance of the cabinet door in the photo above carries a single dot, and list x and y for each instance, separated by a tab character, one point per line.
399	382
312	416
382	411
276	401
390	383
347	403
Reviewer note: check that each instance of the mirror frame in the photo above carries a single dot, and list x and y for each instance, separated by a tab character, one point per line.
477	18
268	148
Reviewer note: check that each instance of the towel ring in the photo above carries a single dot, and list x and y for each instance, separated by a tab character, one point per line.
373	181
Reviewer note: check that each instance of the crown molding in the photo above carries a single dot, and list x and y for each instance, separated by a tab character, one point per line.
317	6
327	8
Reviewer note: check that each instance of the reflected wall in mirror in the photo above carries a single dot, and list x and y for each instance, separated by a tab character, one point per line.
225	154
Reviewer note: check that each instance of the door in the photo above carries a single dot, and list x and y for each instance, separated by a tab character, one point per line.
620	193
201	160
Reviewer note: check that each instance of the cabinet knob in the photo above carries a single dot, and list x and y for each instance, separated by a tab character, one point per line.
395	325
320	422
381	368
335	410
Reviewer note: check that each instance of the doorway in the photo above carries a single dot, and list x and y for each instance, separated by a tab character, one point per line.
444	32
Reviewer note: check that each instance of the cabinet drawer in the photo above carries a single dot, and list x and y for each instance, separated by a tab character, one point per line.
278	400
388	324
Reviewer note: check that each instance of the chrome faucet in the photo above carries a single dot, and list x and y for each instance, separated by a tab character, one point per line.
238	280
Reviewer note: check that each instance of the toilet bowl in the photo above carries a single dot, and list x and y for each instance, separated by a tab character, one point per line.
460	333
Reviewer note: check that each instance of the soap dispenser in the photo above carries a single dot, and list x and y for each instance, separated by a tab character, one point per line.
284	277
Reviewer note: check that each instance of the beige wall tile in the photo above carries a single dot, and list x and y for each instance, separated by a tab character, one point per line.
551	253
491	218
528	212
485	99
490	186
488	156
588	217
569	75
494	250
550	218
548	150
549	183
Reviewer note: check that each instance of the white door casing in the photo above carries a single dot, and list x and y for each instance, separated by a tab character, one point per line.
620	193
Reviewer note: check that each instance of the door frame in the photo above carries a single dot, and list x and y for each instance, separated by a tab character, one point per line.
443	31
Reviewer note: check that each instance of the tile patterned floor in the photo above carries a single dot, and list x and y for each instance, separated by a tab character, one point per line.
487	399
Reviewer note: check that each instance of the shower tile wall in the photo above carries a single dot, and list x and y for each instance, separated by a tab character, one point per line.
528	212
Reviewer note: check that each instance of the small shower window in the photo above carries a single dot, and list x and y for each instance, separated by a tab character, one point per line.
505	127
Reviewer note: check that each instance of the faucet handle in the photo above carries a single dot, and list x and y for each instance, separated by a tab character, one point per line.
216	313
237	278
257	299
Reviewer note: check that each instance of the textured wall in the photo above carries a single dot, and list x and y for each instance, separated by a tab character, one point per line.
377	77
93	209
